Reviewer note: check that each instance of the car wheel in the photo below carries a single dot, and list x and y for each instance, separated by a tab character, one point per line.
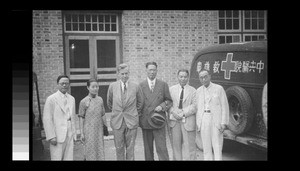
240	110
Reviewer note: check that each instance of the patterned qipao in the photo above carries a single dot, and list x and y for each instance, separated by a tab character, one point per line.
92	110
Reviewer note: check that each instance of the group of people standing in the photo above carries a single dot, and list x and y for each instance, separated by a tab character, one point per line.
150	105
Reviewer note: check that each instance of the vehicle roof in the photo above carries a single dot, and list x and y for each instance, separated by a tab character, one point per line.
257	46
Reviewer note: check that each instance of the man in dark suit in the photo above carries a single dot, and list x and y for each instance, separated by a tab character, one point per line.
156	99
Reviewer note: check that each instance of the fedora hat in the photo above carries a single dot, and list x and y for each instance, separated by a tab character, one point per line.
156	120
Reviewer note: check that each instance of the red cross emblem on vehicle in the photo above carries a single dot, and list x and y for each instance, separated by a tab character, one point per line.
228	66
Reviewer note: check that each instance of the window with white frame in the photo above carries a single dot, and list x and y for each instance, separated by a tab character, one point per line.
101	23
241	26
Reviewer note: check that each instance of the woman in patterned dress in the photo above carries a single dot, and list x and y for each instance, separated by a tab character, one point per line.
91	120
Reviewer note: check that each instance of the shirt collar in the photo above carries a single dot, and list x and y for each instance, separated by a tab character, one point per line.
62	95
122	84
149	81
210	84
185	86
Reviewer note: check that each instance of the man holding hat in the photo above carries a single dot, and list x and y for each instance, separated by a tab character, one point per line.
156	101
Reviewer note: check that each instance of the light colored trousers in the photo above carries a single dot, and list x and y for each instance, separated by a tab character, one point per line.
63	151
181	137
212	139
124	139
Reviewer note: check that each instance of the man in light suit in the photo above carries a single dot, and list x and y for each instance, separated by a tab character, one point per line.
59	121
212	115
124	99
156	99
182	116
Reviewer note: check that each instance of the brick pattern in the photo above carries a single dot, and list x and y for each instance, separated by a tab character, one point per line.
47	60
170	38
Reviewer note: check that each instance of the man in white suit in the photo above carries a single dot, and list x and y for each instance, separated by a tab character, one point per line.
182	117
59	121
212	116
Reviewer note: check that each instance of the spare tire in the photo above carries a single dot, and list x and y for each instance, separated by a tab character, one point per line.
240	110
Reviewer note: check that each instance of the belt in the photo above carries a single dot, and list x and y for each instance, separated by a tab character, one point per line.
207	111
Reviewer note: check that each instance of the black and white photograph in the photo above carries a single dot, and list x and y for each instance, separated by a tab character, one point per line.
149	85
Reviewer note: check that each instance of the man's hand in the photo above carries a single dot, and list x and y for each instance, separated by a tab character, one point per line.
53	141
223	127
158	109
177	114
82	139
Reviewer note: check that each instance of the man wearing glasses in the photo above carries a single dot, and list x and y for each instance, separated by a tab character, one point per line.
59	121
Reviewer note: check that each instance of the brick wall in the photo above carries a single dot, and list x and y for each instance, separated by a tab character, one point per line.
171	38
47	59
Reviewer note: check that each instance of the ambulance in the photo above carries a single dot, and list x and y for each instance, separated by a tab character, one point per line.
241	68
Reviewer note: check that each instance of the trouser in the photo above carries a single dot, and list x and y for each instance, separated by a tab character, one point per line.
181	137
159	136
212	139
63	151
124	139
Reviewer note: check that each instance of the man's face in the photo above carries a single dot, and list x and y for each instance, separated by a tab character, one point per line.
63	85
124	75
204	78
151	71
183	78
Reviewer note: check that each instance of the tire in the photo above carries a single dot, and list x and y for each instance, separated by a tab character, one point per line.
240	110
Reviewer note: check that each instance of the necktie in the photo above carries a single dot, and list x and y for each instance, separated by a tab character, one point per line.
124	91
152	86
181	98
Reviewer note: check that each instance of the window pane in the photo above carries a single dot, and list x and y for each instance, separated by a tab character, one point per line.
228	24
75	18
228	14
113	19
107	18
100	17
106	53
94	18
254	38
247	24
107	27
94	27
81	27
88	27
235	14
221	13
221	24
68	26
236	24
261	25
113	27
75	26
88	18
261	37
247	14
261	14
247	38
101	27
236	38
222	39
81	18
254	24
254	14
68	18
228	39
79	53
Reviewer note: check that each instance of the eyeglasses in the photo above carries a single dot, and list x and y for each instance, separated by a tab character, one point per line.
64	84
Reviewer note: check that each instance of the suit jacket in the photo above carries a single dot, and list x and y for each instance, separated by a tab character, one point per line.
218	105
55	117
188	102
127	110
160	97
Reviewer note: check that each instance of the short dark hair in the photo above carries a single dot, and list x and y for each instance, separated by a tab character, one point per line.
88	83
203	69
151	63
122	66
183	70
62	76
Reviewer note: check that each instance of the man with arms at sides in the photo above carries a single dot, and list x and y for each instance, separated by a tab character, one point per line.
156	100
59	121
212	116
182	116
124	99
